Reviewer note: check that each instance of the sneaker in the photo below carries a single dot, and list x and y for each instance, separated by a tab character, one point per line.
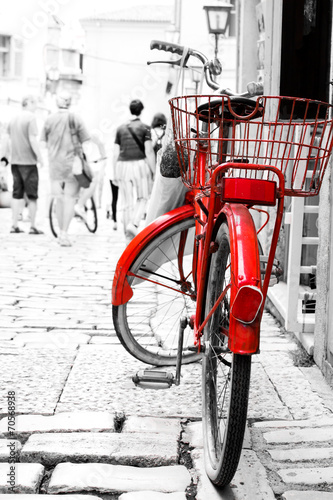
34	230
16	230
115	226
80	212
131	231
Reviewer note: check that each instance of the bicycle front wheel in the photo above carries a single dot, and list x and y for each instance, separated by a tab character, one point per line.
90	219
225	376
163	292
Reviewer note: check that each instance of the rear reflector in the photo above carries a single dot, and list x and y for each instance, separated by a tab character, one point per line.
247	304
249	191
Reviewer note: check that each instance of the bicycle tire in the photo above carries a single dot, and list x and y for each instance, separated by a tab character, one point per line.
53	217
225	376
148	324
91	219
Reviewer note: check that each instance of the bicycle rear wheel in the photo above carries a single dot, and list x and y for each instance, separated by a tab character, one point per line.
163	292
225	376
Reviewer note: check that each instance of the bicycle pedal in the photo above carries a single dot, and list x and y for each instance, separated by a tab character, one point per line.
153	379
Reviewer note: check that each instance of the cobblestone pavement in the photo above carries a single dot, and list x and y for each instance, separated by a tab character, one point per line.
82	427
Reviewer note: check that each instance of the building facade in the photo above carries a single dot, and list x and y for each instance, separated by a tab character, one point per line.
287	45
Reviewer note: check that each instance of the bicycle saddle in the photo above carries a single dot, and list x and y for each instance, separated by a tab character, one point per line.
229	108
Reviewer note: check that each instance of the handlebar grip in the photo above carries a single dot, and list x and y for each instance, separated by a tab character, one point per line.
167	47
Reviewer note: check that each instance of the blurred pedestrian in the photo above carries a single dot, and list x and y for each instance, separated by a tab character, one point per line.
5	195
114	196
58	138
134	162
158	126
25	154
97	162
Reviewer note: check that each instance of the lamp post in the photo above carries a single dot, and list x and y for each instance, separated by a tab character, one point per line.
218	18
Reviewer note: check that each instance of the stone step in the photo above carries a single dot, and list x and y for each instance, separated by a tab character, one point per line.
139	449
106	478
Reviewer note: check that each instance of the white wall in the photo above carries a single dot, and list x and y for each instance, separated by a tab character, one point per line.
115	72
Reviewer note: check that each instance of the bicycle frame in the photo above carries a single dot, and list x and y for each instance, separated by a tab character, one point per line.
244	338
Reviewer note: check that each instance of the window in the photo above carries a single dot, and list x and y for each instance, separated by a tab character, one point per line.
232	25
11	57
4	56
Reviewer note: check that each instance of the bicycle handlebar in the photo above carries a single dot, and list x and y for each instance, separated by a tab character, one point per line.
253	88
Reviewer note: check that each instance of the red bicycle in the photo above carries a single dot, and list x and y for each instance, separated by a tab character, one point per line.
192	285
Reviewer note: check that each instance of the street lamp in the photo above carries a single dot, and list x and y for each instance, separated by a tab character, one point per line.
218	17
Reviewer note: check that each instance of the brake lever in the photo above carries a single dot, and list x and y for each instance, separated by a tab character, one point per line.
173	62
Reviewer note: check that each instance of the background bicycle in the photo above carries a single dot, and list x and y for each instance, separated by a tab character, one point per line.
88	218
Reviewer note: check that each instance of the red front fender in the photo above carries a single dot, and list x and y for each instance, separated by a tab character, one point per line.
121	290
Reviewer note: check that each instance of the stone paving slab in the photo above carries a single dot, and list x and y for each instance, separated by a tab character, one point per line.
249	483
152	424
319	422
139	449
26	478
105	478
95	383
23	496
307	475
307	495
9	449
193	436
152	495
301	454
61	422
292	388
37	376
323	434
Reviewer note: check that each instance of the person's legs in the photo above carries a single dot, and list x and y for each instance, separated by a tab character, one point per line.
114	193
127	200
58	192
18	191
31	179
71	191
85	195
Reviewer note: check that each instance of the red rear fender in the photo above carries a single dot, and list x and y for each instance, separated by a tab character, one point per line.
121	290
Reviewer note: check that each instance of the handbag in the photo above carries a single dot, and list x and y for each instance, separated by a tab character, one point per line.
84	178
137	140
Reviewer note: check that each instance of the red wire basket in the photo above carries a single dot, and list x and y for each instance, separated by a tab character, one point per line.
293	135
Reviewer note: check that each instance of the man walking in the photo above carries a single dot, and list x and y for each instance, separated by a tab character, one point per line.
61	152
134	165
25	154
